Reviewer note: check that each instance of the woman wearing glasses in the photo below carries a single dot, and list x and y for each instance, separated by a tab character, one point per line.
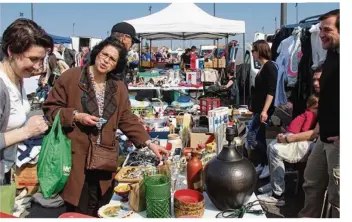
262	103
93	105
24	44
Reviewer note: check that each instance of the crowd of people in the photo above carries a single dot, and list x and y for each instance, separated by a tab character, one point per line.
93	103
312	136
26	45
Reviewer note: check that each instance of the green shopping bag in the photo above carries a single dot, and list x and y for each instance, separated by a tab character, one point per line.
7	200
54	163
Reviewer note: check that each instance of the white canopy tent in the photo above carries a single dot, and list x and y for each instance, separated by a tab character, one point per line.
185	21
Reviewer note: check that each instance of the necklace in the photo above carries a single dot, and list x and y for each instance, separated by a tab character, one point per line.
99	94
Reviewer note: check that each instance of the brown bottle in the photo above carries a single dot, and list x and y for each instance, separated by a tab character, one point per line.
194	172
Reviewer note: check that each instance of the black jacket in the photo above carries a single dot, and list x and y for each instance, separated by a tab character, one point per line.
329	99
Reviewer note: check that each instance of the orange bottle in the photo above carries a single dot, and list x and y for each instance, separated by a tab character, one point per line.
194	172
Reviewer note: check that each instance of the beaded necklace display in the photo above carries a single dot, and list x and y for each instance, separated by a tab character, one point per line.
100	100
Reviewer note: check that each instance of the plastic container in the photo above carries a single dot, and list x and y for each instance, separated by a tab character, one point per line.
158	196
175	141
207	104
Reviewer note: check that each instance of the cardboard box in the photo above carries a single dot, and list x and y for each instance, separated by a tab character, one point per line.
197	138
26	176
221	62
208	64
147	64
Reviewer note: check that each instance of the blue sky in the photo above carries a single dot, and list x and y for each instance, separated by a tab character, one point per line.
96	19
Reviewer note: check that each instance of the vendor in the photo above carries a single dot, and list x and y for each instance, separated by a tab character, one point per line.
186	59
194	50
233	87
93	105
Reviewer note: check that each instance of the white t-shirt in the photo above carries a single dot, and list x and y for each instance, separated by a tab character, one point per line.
19	110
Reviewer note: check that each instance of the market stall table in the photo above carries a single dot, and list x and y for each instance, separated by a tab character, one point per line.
210	210
164	88
159	89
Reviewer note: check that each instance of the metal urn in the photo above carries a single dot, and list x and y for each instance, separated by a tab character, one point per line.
230	178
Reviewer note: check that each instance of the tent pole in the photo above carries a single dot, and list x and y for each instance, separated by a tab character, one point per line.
183	35
150	52
243	69
225	49
217	44
140	50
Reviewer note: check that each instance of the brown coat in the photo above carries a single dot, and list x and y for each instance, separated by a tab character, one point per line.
67	96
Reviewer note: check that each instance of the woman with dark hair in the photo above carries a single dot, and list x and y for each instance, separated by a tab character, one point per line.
93	105
262	103
24	44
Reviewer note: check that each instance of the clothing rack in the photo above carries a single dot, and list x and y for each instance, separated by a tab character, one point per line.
303	88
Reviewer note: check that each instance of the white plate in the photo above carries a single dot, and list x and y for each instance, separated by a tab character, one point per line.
123	210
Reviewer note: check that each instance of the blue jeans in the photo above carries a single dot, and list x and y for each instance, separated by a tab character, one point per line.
257	139
41	94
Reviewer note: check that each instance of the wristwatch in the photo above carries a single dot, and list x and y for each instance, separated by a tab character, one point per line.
286	140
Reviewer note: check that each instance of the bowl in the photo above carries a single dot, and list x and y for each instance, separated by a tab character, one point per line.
189	200
123	191
188	213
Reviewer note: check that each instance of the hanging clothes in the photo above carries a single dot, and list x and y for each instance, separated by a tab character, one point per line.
304	87
277	39
280	94
318	53
295	55
290	54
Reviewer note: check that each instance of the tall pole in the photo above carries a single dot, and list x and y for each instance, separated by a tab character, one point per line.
32	11
297	13
73	29
0	18
243	70
275	24
283	20
214	15
171	44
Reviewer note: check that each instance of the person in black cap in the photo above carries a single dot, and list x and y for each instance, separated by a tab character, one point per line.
194	49
126	34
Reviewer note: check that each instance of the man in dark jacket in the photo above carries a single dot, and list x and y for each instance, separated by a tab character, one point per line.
323	167
69	55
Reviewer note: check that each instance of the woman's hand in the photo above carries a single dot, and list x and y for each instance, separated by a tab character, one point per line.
86	119
263	117
35	126
158	150
280	138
